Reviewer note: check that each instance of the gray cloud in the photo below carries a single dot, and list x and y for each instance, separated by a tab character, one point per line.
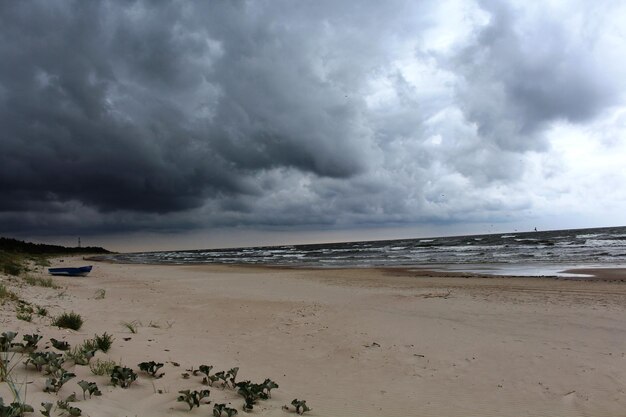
121	116
517	77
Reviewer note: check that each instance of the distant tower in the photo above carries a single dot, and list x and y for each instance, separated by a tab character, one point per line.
79	242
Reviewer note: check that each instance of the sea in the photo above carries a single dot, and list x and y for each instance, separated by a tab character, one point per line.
536	253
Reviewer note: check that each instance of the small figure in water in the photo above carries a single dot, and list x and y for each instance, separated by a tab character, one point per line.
535	229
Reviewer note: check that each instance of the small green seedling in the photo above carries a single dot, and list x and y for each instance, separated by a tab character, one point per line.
231	375
218	409
54	363
192	398
49	361
268	386
60	344
14	409
66	407
224	377
151	368
122	376
38	359
300	406
81	355
210	379
89	387
54	384
205	369
29	345
6	340
251	393
47	408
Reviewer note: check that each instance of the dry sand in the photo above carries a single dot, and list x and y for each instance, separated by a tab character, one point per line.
351	342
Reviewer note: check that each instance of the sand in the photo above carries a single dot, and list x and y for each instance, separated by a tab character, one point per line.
351	342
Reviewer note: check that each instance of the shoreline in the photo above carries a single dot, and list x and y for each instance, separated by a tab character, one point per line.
364	342
564	271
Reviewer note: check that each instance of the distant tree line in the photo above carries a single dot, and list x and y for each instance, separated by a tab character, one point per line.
18	246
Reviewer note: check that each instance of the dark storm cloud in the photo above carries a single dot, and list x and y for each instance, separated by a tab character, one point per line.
65	138
170	116
97	105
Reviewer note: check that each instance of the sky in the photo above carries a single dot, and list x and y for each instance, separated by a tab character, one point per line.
143	125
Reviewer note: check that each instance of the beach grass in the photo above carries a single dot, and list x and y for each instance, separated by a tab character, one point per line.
40	282
69	320
6	294
131	325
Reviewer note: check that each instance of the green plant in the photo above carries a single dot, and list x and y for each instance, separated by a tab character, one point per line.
218	409
68	321
222	376
80	355
30	343
24	316
151	368
6	340
104	342
89	345
101	367
60	345
131	325
54	384
41	261
6	294
100	294
47	408
40	282
122	376
15	409
90	387
300	406
8	361
268	386
24	311
11	263
251	393
192	398
206	370
66	407
49	362
42	311
231	375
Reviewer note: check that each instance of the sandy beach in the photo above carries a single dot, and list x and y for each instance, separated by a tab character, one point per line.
352	342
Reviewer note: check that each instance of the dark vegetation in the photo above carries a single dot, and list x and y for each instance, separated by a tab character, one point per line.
18	246
68	321
14	254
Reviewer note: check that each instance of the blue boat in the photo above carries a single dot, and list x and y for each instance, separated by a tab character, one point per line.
71	272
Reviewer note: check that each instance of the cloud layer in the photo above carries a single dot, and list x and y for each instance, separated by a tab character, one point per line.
125	116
